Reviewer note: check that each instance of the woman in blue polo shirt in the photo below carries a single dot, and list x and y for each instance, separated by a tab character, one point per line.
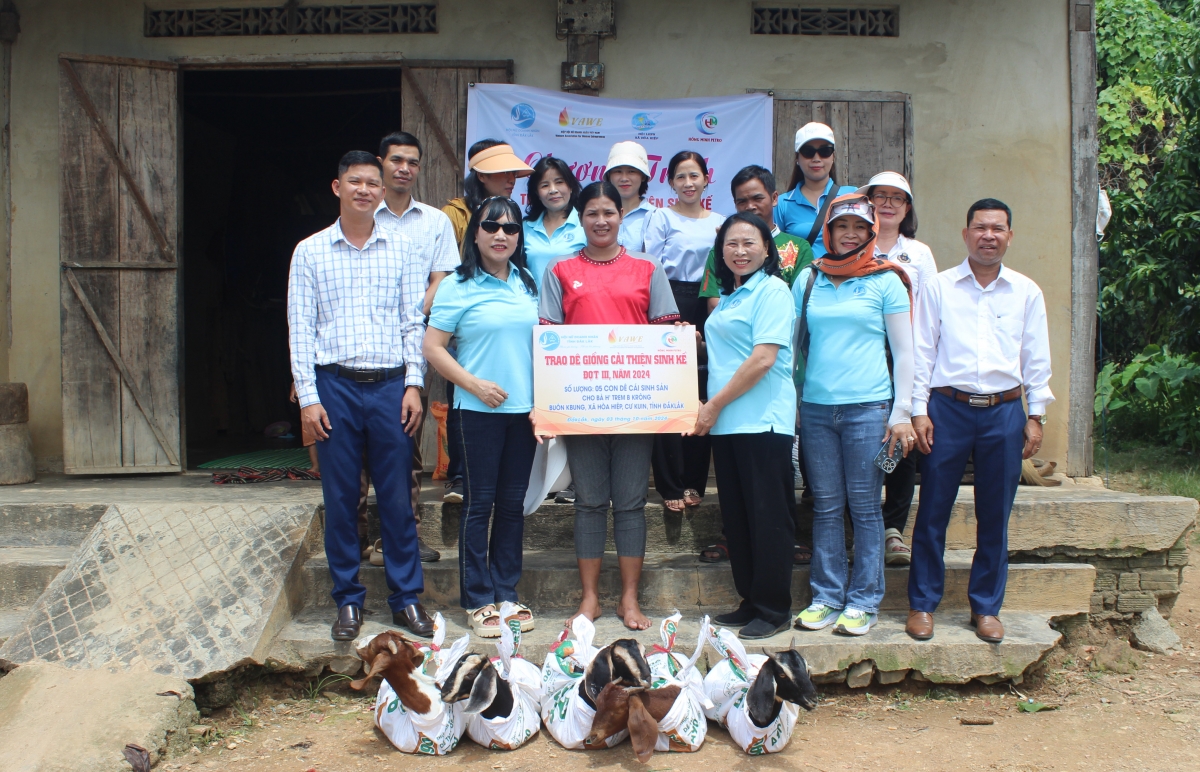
751	414
490	307
552	226
812	185
857	308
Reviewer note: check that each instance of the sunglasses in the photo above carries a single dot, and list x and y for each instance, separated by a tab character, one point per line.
491	226
808	151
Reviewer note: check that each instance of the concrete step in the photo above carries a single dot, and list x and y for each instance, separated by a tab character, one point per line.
550	580
954	655
38	524
26	572
10	622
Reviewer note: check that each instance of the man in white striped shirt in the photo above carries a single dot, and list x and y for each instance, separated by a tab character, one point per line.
980	344
355	330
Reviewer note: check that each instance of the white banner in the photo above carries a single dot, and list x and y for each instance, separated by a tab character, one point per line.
730	132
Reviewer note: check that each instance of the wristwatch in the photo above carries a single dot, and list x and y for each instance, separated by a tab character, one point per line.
1041	419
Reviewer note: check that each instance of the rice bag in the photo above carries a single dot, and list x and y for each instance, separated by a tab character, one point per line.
565	714
726	686
684	727
525	680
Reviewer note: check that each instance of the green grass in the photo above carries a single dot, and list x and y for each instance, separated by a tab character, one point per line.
1149	469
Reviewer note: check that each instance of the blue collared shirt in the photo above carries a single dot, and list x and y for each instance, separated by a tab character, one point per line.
795	214
354	307
760	311
493	323
632	235
540	248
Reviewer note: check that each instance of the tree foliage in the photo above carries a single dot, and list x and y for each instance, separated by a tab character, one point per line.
1148	62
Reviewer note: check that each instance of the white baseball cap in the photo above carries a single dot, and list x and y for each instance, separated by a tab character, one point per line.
810	131
891	179
859	207
628	154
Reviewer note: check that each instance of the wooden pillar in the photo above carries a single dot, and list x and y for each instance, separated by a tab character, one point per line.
1085	258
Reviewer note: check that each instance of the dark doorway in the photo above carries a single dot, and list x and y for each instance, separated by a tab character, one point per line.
260	150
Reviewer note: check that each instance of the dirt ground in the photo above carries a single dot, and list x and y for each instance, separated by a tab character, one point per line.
1146	720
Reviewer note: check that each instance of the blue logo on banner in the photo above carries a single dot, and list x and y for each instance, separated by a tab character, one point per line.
548	340
707	123
523	115
645	121
670	340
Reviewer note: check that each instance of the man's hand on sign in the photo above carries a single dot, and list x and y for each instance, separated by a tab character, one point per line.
924	429
315	421
489	393
411	410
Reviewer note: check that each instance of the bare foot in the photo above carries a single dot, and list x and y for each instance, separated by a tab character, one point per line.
588	607
631	614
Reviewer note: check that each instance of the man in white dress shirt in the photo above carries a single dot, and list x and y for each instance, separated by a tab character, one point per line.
980	344
355	330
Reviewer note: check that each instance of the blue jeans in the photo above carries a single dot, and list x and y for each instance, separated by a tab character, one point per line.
497	456
840	445
368	415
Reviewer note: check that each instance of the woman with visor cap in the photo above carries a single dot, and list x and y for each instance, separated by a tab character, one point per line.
852	306
493	171
801	210
896	217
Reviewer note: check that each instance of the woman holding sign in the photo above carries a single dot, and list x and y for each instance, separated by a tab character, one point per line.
751	415
606	284
490	307
680	236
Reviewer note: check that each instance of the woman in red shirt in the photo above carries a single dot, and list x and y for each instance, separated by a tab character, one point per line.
605	284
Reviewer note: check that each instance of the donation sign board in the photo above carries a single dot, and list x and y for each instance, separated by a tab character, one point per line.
729	132
614	379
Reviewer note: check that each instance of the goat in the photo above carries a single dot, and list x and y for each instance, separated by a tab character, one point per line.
398	660
476	680
634	708
621	662
783	677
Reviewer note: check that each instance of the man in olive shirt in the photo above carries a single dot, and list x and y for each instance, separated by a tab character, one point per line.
754	191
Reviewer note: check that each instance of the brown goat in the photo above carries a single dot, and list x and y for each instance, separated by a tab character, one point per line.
394	657
636	709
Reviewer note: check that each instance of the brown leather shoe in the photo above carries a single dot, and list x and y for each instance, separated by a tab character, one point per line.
920	625
416	619
987	628
348	624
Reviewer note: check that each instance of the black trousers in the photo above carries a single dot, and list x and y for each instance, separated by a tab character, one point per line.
898	490
680	462
756	488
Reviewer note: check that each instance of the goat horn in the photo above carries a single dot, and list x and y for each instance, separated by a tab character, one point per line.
793	646
392	646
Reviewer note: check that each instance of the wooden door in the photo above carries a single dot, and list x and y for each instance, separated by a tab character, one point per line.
873	131
433	102
118	237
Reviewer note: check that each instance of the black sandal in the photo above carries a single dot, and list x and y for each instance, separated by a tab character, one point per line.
721	548
802	555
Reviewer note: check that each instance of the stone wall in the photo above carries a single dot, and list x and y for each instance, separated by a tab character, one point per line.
1128	581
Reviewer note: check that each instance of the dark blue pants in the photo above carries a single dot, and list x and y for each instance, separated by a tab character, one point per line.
497	454
997	437
368	414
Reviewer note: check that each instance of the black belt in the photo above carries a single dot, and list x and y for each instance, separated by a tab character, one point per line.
364	376
980	400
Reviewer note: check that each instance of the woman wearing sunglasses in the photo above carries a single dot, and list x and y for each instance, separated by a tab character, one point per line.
605	284
812	187
490	307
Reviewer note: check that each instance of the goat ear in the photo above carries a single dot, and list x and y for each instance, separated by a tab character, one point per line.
483	691
381	661
418	656
643	729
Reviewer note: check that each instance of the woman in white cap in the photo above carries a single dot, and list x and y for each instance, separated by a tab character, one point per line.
494	170
801	211
628	170
680	237
896	218
852	306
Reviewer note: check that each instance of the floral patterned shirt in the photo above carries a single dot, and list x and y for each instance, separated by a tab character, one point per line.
794	254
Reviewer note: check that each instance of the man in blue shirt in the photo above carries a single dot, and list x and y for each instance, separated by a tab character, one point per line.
811	187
